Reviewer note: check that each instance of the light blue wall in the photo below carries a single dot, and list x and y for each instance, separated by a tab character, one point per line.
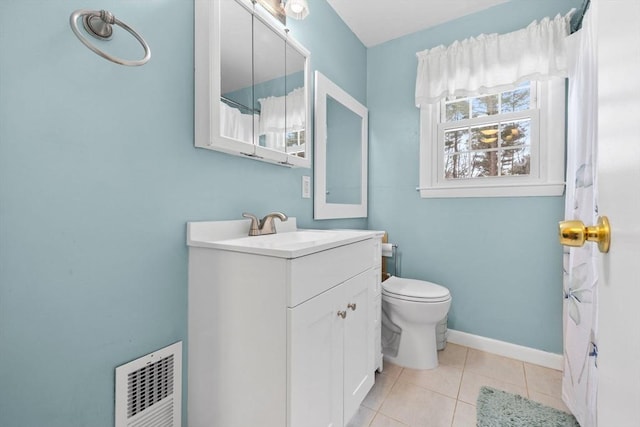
98	176
498	256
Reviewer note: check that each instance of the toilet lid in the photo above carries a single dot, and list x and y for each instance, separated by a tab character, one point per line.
415	290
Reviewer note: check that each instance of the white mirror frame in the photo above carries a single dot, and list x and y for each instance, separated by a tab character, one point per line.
208	86
323	210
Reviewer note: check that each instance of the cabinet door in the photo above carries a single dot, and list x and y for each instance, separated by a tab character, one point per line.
315	361
358	341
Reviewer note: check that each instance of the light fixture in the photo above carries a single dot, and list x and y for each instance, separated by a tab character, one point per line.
296	9
489	132
510	134
489	140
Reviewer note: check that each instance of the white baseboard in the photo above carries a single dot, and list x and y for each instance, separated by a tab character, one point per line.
502	348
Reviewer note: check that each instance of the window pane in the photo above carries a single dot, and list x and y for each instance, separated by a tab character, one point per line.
484	106
456	140
515	161
456	166
457	110
295	143
518	99
484	163
515	133
484	137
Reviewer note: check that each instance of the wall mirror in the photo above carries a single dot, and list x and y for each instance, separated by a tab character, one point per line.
251	84
341	151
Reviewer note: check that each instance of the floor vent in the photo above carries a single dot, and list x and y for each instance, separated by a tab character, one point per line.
149	390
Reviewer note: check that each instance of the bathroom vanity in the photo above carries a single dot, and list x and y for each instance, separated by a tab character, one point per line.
284	329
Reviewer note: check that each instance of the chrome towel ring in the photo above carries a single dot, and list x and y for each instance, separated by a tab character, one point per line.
99	25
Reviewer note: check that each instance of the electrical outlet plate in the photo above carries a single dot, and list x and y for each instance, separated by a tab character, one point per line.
306	187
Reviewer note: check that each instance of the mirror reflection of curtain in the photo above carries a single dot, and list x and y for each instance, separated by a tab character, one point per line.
236	125
281	114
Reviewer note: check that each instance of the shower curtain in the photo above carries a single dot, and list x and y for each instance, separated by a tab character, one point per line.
580	315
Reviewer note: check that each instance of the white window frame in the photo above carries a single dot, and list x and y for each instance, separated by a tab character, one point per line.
546	176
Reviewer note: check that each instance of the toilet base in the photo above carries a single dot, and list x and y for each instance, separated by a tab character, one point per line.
418	349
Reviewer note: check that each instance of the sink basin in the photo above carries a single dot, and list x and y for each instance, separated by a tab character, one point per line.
282	240
288	244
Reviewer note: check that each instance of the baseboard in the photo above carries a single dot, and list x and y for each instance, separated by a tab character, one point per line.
502	348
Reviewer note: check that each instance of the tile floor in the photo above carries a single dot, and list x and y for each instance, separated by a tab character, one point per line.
446	396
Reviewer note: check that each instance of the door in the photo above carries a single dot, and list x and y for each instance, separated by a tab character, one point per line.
315	361
619	199
358	342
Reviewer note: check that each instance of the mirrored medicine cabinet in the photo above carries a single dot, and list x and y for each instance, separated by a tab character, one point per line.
341	151
251	84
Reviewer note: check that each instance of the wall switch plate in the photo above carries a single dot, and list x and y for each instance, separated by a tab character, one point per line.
306	187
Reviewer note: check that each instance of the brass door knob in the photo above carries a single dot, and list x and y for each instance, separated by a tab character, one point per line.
575	233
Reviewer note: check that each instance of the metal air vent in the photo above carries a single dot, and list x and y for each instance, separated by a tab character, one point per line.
148	390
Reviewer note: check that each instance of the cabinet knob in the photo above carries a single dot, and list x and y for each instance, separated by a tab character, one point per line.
352	306
342	314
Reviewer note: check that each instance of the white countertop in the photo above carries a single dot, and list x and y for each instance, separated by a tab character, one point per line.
288	242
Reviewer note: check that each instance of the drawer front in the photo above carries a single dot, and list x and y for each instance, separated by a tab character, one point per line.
313	274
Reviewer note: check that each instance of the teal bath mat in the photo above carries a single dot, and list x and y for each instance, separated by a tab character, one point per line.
498	408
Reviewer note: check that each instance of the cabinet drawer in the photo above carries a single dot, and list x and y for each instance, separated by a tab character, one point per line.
313	274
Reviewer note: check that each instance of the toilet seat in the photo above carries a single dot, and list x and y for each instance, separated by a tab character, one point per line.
414	290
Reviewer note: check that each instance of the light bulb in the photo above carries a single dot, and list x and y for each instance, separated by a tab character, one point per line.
297	9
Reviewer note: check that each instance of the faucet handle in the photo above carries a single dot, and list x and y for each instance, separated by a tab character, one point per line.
278	215
254	228
267	226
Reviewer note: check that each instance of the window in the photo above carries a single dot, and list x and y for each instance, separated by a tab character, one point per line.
488	136
509	143
295	143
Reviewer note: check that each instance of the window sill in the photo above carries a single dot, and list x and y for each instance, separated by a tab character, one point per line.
504	190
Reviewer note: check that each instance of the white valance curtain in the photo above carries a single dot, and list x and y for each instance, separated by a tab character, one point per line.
493	62
234	124
283	113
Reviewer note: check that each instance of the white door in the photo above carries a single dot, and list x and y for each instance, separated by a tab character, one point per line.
358	342
315	365
619	199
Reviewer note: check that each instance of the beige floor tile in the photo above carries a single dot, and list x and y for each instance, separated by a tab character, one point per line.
417	398
548	400
384	421
472	382
494	366
444	379
380	389
362	418
417	407
391	370
453	355
543	380
465	415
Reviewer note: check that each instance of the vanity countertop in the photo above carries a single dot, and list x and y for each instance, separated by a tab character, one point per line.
289	242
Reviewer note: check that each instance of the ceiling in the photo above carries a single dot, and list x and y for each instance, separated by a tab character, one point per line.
377	21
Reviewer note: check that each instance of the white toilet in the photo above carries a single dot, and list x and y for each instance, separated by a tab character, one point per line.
416	307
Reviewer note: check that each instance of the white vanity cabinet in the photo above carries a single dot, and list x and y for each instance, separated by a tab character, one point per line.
277	340
331	367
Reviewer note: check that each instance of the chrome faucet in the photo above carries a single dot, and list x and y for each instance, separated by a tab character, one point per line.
265	225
